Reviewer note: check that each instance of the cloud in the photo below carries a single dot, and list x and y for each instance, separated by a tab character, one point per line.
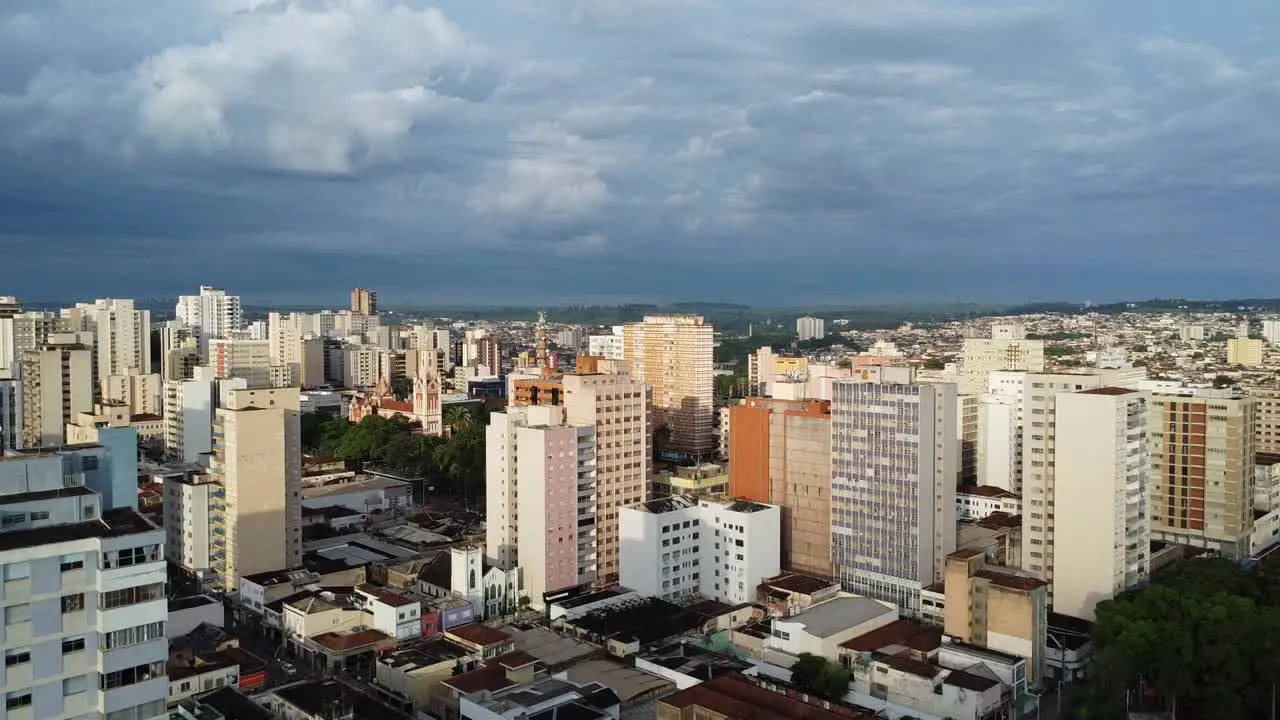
994	138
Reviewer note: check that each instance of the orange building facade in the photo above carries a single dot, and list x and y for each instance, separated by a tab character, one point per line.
780	453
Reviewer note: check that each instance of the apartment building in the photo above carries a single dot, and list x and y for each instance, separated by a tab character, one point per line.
893	471
765	367
541	498
257	460
999	454
1007	349
57	385
612	346
1039	455
617	407
188	499
212	313
673	354
1246	352
83	595
364	302
811	328
9	308
1267	417
997	608
680	548
480	348
11	422
1100	501
1202	469
122	337
140	392
780	454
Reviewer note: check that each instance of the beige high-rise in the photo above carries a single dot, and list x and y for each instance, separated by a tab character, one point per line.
1202	470
1267	410
364	302
1007	349
57	386
674	354
257	459
616	406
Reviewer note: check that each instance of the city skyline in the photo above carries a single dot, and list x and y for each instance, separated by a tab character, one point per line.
986	151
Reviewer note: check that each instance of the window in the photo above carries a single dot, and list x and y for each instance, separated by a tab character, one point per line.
74	686
133	675
15	700
17	657
10	519
131	556
17	571
72	562
132	595
132	636
71	645
72	603
15	614
40	515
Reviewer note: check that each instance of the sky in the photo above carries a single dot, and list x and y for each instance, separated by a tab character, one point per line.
580	151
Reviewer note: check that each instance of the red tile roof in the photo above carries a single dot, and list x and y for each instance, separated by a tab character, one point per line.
490	677
385	596
906	633
737	698
350	641
477	634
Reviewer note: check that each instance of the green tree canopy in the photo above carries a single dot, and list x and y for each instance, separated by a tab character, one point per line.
815	675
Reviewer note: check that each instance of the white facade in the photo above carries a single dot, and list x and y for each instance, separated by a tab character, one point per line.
1006	349
8	342
894	459
215	313
122	336
679	547
362	366
10	414
610	346
1101	534
999	449
83	598
1271	331
811	328
187	501
1039	455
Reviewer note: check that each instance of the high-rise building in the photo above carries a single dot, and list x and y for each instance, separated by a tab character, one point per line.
189	407
251	360
213	312
179	351
999	454
673	354
681	548
9	308
31	330
188	499
257	460
84	594
1039	455
480	348
541	498
894	460
607	346
617	407
141	393
811	328
1246	352
57	385
1007	349
780	454
998	608
10	414
1202	474
122	338
1271	331
1267	417
364	302
1101	534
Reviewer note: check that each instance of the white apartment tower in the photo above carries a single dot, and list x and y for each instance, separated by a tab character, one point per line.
213	312
1039	456
541	498
894	459
999	454
1100	498
122	337
811	328
680	548
607	346
1007	349
10	414
83	596
9	308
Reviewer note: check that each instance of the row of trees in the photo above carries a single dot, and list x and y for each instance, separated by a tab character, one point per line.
453	464
1204	638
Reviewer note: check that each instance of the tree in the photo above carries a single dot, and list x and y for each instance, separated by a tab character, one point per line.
815	675
934	364
1223	381
402	388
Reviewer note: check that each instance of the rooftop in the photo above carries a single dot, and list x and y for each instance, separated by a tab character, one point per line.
585	702
644	620
797	583
276	577
1008	579
333	698
630	684
117	522
987	491
346	642
907	664
842	613
969	681
1001	521
1108	391
736	697
385	596
230	704
695	661
551	649
477	634
897	634
190	602
424	654
38	495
